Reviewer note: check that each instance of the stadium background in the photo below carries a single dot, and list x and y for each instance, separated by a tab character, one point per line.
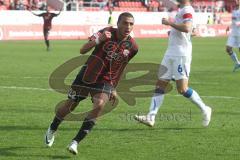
79	18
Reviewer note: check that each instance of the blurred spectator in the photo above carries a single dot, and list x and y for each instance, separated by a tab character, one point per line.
2	5
19	5
216	18
213	5
102	3
196	8
161	7
110	19
87	3
42	6
122	5
115	3
210	20
145	2
110	5
153	6
71	5
220	6
80	4
12	6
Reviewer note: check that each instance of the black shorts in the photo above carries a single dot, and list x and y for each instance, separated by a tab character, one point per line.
80	89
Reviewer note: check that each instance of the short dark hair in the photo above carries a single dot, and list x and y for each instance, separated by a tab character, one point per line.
124	14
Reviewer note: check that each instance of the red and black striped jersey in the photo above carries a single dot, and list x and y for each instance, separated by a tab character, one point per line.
47	19
109	58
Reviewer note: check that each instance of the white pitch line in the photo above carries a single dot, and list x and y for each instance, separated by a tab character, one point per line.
37	77
13	77
129	93
153	81
25	88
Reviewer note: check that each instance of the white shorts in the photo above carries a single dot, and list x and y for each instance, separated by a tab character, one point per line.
233	41
177	67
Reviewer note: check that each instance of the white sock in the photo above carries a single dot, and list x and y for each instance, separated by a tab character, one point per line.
156	102
234	58
195	98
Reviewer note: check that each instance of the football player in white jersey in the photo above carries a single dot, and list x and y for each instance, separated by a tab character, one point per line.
234	37
176	63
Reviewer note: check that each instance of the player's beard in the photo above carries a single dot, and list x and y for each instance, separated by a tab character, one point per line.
123	34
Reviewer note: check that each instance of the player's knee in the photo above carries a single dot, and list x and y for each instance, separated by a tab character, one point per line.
181	90
99	103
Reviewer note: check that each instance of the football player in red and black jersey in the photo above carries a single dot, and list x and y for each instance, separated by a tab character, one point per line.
47	24
113	49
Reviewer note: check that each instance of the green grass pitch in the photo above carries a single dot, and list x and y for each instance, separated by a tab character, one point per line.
27	107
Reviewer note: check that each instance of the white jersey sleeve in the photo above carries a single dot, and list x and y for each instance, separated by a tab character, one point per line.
235	23
187	14
180	42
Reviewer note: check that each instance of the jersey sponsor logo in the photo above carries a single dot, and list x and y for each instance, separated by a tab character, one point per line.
126	52
117	51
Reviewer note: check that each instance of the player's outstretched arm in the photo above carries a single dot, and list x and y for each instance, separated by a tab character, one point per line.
184	27
87	47
58	13
99	38
35	13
